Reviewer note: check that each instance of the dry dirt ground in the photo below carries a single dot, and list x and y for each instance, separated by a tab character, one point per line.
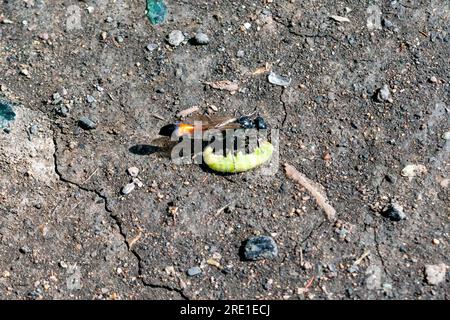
66	232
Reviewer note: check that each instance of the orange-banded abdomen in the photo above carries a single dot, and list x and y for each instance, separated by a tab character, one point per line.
179	129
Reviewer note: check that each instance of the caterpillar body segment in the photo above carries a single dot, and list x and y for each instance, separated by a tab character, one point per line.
239	162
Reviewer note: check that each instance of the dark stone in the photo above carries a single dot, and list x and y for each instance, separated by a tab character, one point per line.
261	247
394	212
86	123
25	249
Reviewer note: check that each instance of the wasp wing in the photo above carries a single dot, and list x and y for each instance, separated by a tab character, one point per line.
214	122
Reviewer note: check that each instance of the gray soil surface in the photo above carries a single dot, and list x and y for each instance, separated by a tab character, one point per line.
67	232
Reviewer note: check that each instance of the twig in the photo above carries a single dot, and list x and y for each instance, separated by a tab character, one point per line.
310	282
219	211
188	111
358	261
157	116
321	199
135	239
88	178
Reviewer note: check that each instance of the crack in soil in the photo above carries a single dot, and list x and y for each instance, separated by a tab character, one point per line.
303	34
169	288
312	232
113	216
377	246
284	108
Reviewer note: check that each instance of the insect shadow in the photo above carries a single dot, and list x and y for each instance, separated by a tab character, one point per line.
241	252
207	169
144	149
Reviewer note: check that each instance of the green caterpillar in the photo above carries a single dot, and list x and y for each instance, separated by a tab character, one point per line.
239	162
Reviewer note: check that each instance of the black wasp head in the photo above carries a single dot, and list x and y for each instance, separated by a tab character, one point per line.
167	130
260	123
246	122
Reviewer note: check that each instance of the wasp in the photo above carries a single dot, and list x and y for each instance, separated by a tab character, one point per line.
186	128
229	161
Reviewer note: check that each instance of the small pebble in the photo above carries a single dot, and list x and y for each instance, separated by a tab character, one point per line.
384	95
119	39
436	241
25	249
194	271
152	46
201	38
86	123
34	129
109	19
412	170
353	269
247	25
387	289
433	79
44	36
268	284
240	54
261	247
446	136
387	23
394	212
138	182
435	274
56	98
25	72
279	80
90	99
176	37
133	171
128	188
62	111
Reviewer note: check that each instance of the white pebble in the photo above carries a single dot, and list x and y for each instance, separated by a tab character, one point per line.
435	274
138	182
279	80
412	170
128	188
133	171
176	37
